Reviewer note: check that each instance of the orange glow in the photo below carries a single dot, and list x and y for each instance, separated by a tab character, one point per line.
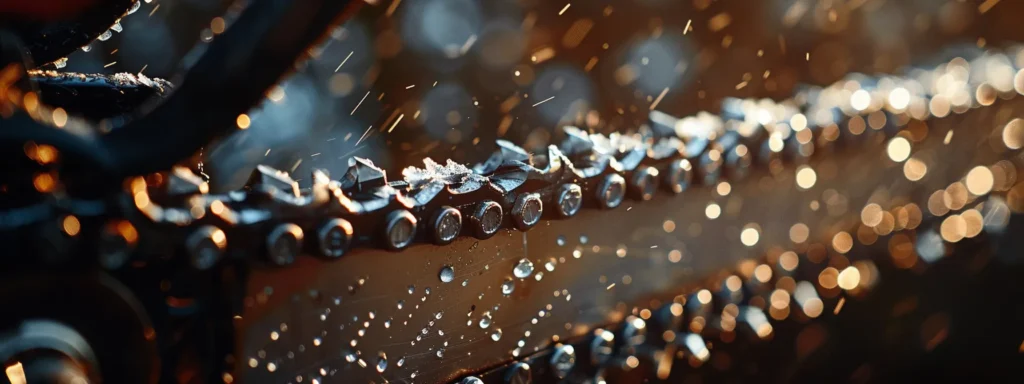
71	225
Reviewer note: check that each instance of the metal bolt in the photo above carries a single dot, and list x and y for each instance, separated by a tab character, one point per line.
644	183
739	161
563	360
334	237
117	243
711	166
206	246
400	230
447	225
486	219
635	331
569	200
602	347
611	191
679	176
284	244
519	373
527	210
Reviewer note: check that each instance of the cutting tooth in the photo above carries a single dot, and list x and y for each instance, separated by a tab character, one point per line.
182	181
270	179
363	175
577	141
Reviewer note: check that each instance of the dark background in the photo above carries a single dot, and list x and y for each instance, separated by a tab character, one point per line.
461	59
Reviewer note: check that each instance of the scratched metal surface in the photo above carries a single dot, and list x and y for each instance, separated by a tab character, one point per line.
309	320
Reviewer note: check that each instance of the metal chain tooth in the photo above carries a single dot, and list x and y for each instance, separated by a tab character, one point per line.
739	302
363	207
605	170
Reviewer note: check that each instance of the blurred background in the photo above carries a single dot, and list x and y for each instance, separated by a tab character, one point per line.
407	79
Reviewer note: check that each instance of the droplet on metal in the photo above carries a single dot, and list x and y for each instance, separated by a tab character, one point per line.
206	246
400	230
447	225
284	244
486	219
527	210
523	269
611	191
644	183
519	373
447	274
507	287
382	362
563	360
568	200
135	7
485	320
679	176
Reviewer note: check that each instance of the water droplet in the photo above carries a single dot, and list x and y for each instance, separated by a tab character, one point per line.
538	276
61	63
560	240
135	7
496	335
382	362
87	48
412	289
447	274
401	303
524	269
387	323
401	362
465	282
508	287
438	315
350	357
426	291
550	265
117	27
440	353
485	320
584	239
105	35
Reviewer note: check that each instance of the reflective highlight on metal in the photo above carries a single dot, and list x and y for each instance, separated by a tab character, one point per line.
486	219
284	244
447	225
644	183
569	200
206	246
527	211
611	191
334	237
400	230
